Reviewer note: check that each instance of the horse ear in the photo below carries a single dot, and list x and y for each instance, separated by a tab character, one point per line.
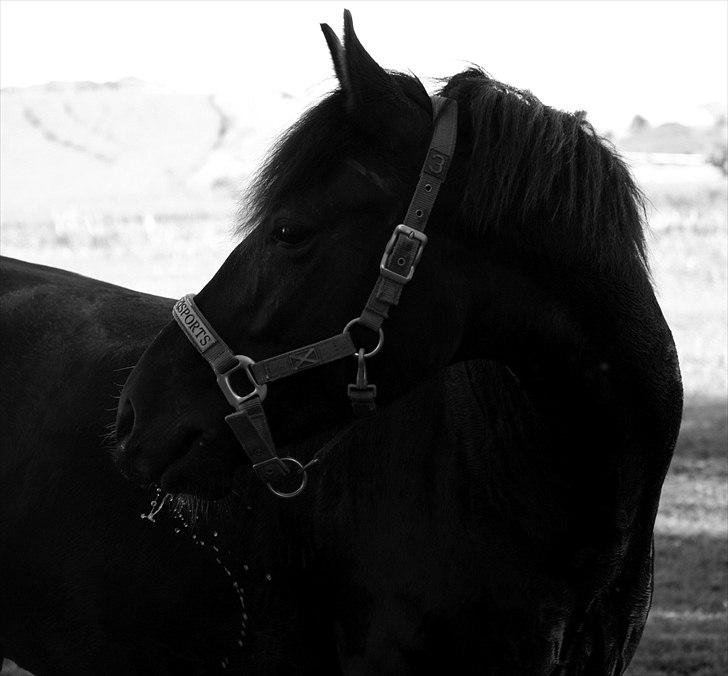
361	78
337	54
372	95
367	80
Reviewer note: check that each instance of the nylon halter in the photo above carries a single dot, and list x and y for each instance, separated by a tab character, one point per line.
400	257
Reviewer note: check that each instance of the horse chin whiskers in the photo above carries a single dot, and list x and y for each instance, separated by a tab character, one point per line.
108	438
195	511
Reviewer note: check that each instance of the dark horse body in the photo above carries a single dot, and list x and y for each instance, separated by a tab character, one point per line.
496	519
86	587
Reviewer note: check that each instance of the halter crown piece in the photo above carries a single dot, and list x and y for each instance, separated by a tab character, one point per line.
401	255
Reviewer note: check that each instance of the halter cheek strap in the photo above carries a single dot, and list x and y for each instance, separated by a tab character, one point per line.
396	269
407	243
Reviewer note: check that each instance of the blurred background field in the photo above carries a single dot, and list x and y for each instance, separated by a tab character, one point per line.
139	185
687	631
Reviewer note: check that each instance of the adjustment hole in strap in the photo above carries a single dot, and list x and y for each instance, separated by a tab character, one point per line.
419	213
428	187
362	331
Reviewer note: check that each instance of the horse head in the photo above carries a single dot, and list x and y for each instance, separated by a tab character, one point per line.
535	259
321	213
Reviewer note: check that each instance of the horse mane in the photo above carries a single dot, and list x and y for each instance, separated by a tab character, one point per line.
530	166
528	170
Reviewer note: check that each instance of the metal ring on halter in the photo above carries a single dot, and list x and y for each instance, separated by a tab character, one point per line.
380	342
304	480
223	381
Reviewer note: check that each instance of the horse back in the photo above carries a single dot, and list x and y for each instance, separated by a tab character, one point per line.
86	586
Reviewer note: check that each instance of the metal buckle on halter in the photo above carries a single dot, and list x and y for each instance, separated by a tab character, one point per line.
223	381
402	229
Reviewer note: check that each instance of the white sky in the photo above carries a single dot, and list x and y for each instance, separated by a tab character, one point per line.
663	60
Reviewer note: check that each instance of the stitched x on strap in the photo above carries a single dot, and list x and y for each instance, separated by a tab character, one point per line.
295	361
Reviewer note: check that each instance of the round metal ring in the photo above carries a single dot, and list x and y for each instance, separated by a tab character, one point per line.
304	480
380	342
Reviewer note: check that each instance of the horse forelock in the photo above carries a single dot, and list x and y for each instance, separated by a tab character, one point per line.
301	157
324	140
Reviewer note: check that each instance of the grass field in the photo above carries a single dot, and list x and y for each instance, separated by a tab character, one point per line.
687	629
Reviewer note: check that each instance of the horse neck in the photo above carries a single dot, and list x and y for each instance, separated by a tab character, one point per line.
595	356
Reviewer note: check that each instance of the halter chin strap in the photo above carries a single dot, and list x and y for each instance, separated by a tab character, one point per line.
396	269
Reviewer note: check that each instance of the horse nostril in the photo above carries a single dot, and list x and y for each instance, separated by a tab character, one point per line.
124	418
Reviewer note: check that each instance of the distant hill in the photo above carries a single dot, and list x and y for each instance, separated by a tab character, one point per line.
672	138
122	147
130	148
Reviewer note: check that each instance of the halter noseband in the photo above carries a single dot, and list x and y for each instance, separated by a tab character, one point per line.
401	255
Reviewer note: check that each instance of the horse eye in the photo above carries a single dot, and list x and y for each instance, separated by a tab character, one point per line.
290	234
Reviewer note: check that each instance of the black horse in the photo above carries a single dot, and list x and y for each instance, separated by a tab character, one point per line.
86	586
497	519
